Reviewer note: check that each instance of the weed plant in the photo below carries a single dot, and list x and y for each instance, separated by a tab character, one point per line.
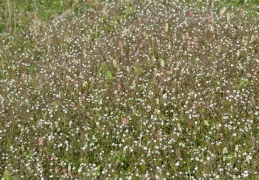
129	89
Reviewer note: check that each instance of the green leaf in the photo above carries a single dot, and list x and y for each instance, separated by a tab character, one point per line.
31	69
100	71
134	84
243	84
128	11
7	175
138	70
15	178
118	158
96	171
109	74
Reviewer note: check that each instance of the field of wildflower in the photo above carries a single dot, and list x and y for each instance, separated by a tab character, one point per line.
129	89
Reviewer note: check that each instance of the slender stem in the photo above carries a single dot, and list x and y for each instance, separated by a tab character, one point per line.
14	17
35	11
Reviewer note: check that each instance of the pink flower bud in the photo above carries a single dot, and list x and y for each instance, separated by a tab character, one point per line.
171	60
187	36
119	87
190	13
56	170
253	139
64	170
40	140
155	72
133	47
125	121
53	157
242	12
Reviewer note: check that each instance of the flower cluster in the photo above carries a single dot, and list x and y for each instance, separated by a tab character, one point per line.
135	90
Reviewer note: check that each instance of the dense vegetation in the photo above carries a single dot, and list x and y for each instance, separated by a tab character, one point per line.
129	89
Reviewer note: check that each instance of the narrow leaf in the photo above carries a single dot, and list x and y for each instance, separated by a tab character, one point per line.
69	168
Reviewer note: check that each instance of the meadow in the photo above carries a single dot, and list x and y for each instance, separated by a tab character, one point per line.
122	89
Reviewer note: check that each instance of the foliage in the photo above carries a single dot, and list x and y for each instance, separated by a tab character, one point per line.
129	89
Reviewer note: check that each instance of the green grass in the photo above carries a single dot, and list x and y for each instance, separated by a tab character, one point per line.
132	90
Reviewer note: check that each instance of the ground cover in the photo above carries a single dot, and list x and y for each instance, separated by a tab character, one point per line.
129	89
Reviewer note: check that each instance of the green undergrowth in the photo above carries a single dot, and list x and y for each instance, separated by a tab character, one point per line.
129	89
